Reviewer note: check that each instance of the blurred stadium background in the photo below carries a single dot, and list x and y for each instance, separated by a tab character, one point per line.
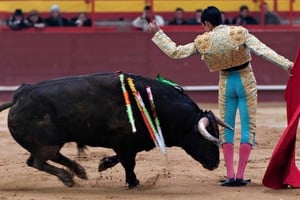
128	9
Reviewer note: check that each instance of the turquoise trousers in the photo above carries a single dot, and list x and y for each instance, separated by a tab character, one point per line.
238	92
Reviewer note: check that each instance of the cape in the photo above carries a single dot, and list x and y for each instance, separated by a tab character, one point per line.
282	171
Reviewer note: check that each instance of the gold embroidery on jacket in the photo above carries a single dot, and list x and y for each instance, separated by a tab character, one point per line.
223	47
237	35
203	42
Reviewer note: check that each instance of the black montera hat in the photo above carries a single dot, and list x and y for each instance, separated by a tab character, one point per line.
18	12
213	15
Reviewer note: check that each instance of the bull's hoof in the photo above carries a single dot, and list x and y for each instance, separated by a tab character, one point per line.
107	162
133	184
80	172
82	176
66	178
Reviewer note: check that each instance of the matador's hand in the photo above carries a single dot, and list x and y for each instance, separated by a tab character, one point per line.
290	70
153	27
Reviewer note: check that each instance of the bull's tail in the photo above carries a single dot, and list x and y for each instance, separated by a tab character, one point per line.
6	105
18	92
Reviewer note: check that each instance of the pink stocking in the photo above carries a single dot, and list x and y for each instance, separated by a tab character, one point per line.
245	150
228	151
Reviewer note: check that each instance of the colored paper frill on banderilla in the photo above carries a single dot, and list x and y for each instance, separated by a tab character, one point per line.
127	103
168	82
146	117
282	170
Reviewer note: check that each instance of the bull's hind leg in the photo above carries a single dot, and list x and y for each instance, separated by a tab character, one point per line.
42	165
72	165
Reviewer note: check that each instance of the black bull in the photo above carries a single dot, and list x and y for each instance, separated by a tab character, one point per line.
90	110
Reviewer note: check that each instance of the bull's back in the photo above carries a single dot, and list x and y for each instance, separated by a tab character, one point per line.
90	109
51	110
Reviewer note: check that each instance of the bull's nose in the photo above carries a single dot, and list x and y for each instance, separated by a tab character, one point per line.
215	167
211	166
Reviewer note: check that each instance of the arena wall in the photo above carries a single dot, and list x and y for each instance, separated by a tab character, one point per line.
29	57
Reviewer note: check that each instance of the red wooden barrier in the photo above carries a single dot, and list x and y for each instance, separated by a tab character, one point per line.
31	57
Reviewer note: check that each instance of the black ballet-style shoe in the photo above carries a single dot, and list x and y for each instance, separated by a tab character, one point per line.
230	182
241	182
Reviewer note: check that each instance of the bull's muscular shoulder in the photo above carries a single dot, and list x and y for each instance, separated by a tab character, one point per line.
238	35
203	42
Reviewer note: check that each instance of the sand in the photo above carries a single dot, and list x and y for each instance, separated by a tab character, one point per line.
176	177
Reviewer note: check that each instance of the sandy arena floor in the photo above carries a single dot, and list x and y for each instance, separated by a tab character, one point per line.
178	178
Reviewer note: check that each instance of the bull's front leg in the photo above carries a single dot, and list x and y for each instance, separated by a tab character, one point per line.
108	162
128	162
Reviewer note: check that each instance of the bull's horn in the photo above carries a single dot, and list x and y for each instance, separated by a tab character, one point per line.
202	124
222	123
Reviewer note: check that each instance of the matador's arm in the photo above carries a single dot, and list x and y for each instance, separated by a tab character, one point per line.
171	49
266	52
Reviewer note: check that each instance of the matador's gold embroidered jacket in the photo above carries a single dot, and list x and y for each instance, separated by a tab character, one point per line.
222	48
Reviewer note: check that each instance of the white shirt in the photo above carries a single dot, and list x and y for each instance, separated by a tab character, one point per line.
142	23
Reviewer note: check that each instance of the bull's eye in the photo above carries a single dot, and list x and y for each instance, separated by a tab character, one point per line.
213	129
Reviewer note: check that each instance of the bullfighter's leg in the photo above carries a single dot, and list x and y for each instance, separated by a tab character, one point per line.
108	162
72	165
228	106
128	162
240	91
247	109
62	174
